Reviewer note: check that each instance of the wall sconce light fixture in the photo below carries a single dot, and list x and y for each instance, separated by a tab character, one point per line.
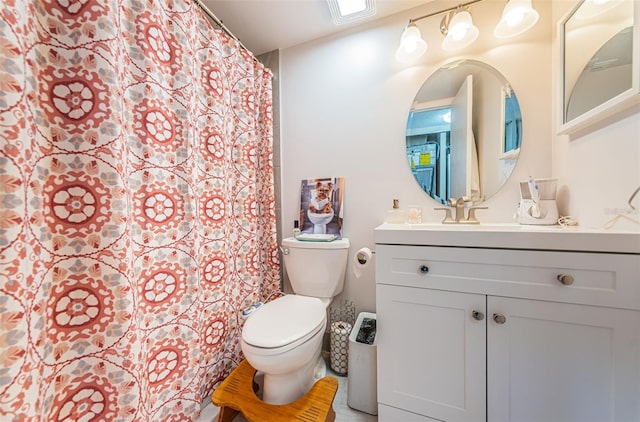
459	31
411	44
517	17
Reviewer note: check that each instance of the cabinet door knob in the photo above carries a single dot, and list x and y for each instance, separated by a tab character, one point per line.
499	318
477	315
424	269
565	279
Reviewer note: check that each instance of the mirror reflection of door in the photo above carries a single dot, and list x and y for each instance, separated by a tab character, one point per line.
448	129
462	140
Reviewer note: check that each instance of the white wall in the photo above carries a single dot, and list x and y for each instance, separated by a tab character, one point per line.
345	102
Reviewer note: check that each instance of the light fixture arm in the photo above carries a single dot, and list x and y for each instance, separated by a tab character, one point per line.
451	9
446	19
444	23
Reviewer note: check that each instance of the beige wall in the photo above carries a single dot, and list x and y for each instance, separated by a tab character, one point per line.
344	104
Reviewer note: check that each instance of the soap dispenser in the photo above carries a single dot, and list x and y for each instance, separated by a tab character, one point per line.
395	215
296	229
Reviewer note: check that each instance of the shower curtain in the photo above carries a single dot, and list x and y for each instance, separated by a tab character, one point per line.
136	208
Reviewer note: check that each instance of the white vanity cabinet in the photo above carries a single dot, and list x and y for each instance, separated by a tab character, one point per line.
431	353
562	362
485	333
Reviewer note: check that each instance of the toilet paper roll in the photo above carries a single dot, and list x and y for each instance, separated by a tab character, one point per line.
360	260
339	343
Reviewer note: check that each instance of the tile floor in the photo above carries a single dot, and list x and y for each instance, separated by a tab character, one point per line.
343	412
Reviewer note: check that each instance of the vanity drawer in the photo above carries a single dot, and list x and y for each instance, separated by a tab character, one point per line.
600	279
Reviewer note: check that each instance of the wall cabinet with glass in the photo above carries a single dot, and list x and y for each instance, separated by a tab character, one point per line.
600	63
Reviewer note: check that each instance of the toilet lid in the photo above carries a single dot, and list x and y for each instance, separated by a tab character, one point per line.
284	321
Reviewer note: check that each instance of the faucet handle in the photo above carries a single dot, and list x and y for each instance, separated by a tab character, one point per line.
458	201
448	219
471	218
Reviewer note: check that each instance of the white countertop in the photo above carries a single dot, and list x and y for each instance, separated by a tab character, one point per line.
509	236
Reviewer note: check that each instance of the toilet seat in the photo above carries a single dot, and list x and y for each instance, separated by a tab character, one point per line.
284	324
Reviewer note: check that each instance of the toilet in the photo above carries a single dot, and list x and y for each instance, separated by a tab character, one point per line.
283	338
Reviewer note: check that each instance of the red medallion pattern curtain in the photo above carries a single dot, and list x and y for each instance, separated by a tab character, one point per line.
136	208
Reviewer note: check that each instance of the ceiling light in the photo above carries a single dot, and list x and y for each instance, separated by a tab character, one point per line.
349	7
459	30
412	45
343	11
517	17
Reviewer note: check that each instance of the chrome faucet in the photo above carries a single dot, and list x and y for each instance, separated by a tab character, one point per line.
458	204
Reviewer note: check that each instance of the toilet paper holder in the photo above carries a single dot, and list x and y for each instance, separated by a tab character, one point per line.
362	257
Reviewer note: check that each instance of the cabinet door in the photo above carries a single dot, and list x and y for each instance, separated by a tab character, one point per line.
432	352
392	414
551	361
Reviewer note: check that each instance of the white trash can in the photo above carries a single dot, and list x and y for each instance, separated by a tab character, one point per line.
362	390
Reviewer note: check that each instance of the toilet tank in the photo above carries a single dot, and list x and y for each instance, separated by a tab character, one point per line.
316	269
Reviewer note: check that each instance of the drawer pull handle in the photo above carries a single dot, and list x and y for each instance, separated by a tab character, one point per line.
499	318
477	315
565	279
424	269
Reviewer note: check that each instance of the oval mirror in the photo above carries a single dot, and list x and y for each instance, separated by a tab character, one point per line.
464	132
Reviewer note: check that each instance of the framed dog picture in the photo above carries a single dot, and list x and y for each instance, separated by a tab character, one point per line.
321	206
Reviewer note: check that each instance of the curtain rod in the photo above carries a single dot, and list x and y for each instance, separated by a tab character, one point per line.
218	22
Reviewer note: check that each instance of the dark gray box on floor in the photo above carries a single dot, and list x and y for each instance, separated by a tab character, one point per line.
362	390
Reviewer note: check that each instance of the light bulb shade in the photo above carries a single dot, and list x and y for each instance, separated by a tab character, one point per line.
412	46
460	32
517	17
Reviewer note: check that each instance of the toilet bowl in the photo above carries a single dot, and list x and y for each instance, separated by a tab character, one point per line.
320	221
283	339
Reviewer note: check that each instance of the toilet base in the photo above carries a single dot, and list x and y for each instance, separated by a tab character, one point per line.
288	387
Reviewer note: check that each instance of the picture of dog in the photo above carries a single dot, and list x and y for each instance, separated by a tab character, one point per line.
321	202
321	206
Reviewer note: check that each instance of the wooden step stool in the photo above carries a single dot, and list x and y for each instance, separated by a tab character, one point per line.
236	395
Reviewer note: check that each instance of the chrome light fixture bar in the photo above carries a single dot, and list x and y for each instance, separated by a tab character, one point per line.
459	31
